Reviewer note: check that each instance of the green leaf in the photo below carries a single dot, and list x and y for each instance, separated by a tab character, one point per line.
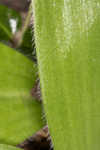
6	31
20	114
67	37
6	15
7	147
27	46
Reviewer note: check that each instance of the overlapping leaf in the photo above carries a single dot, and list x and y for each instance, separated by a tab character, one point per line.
67	36
20	114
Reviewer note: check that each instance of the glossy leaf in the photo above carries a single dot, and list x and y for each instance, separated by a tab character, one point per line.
67	37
